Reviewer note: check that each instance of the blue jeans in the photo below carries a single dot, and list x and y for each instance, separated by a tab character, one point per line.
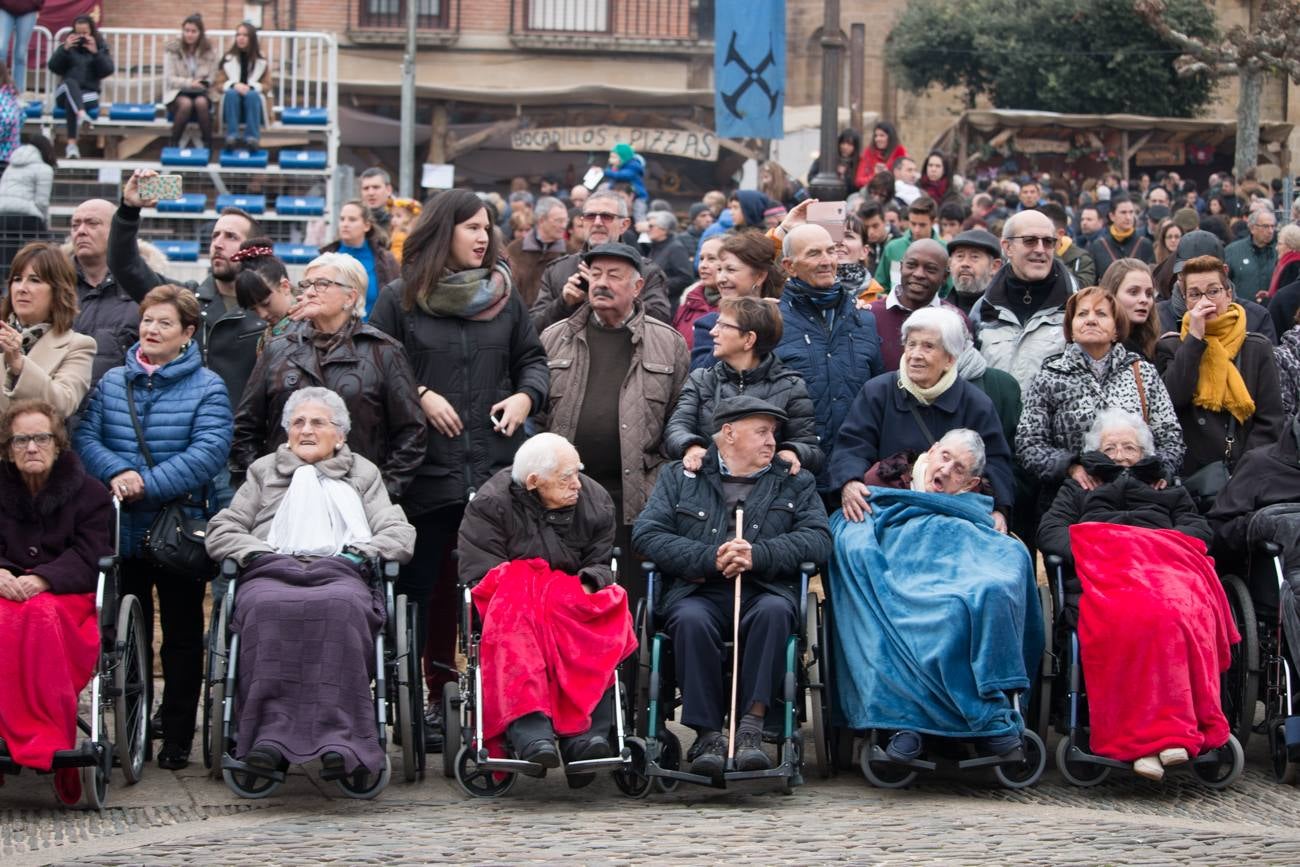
20	28
245	109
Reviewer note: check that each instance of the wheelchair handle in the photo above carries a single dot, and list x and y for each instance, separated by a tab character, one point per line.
808	568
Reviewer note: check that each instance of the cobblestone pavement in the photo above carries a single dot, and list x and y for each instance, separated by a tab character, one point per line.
185	818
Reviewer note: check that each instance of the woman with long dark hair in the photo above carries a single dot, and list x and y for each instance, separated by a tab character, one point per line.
245	89
480	371
936	176
83	62
880	154
189	70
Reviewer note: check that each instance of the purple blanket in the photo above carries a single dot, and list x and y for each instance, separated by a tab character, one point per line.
306	660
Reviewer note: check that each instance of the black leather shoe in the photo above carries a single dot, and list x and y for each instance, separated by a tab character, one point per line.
749	751
433	730
155	726
173	757
541	752
265	757
331	766
582	749
708	755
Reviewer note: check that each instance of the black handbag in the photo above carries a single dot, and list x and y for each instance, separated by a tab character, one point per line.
174	541
1204	484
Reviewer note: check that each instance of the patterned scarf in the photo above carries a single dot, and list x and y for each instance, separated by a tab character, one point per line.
31	333
478	294
1219	385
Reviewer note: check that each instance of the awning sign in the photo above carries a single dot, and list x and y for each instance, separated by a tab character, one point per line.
645	140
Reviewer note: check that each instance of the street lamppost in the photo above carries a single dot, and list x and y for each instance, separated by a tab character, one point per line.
406	171
828	185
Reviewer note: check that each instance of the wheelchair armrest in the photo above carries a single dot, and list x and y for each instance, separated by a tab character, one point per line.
108	562
1053	560
229	567
1272	549
808	568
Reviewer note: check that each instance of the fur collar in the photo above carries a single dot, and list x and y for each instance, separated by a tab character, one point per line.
63	485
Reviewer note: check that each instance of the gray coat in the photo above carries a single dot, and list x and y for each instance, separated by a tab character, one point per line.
240	530
25	186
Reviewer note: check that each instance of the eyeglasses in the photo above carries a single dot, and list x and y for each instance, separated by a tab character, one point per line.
20	442
1193	297
739	330
1029	242
320	284
601	217
313	423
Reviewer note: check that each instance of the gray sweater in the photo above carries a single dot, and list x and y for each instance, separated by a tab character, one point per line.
240	530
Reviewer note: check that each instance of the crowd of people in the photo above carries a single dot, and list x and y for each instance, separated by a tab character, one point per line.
467	383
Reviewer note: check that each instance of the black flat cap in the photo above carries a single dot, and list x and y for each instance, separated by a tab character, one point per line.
732	409
615	250
1197	243
979	239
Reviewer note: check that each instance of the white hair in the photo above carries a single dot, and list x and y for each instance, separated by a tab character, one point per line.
1113	418
965	438
1257	209
545	205
787	245
318	394
952	333
663	219
349	271
539	454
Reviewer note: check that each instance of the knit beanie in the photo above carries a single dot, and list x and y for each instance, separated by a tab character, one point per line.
624	151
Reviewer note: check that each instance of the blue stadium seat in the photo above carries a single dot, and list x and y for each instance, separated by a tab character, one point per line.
132	111
60	113
244	159
295	254
179	251
188	203
303	159
300	206
254	204
305	116
185	156
34	108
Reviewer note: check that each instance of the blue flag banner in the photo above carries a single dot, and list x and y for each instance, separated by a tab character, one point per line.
749	69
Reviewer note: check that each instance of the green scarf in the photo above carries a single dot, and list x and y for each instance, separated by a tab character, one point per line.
478	294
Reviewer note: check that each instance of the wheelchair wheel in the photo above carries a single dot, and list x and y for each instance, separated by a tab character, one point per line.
670	758
633	781
1076	773
1224	772
477	782
1239	685
1284	770
1024	774
409	721
883	775
364	786
214	740
815	681
247	785
130	705
451	728
94	787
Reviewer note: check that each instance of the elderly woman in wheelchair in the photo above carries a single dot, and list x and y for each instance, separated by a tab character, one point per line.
1154	631
307	529
55	526
938	624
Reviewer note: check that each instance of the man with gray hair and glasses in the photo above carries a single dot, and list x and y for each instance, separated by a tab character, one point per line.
565	281
543	244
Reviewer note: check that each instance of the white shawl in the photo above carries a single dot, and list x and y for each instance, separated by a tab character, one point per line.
318	516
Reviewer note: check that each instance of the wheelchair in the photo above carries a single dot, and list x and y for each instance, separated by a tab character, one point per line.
1064	705
1262	667
398	695
465	755
806	697
116	730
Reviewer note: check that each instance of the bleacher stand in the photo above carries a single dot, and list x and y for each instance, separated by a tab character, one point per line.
291	176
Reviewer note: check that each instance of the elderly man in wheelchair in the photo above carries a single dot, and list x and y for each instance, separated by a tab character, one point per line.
938	623
307	528
534	554
739	528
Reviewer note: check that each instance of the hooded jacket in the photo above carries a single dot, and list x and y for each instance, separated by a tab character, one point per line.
25	186
1021	348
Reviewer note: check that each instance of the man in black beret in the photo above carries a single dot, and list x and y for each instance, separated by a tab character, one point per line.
689	529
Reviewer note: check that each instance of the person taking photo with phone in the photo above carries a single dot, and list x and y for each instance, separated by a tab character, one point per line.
83	61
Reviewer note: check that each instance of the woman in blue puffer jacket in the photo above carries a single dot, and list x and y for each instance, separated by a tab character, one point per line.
185	417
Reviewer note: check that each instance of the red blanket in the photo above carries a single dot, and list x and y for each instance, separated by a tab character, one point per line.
48	648
548	645
1155	634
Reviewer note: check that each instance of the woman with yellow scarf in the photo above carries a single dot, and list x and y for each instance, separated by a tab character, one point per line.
1222	379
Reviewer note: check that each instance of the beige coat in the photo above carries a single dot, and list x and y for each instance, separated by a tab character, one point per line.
177	76
660	363
240	530
56	370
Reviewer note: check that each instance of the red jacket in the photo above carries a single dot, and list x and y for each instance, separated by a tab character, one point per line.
693	307
872	158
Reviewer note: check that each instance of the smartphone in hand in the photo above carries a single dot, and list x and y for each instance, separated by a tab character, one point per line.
162	188
830	216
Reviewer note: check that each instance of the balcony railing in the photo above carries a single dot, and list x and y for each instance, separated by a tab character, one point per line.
680	20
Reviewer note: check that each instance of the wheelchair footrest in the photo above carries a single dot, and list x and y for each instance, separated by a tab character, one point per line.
513	766
230	763
587	765
653	770
1077	755
781	771
879	755
1014	757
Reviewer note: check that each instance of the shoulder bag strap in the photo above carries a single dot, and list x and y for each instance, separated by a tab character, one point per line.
135	423
921	422
1142	391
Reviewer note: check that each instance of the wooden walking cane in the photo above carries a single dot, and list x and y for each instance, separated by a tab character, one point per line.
735	639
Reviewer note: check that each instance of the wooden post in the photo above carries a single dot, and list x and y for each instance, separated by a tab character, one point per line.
963	146
857	74
1123	152
438	134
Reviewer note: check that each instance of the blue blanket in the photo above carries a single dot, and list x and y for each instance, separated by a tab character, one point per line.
936	616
